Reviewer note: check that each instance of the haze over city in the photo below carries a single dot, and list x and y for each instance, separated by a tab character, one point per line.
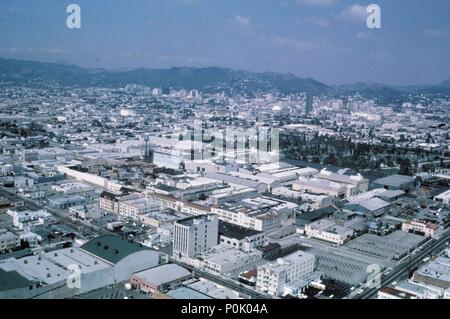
327	40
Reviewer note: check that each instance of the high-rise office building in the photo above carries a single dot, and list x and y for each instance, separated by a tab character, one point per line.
194	235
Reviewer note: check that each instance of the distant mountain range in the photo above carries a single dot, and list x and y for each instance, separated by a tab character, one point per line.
446	84
210	79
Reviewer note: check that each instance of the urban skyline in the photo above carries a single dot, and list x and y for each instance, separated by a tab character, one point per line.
145	153
325	40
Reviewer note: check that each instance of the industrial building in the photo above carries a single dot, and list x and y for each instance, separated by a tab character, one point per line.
390	247
395	182
435	273
68	272
157	280
124	256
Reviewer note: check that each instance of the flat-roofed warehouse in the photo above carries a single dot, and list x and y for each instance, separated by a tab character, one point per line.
373	207
395	182
101	262
435	273
393	246
341	268
155	280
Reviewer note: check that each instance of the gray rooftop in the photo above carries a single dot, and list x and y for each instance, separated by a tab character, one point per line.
12	280
394	180
163	274
187	293
111	248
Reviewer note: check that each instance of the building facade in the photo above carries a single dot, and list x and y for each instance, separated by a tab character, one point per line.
194	235
273	277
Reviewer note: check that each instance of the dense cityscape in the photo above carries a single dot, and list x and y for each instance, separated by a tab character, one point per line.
103	199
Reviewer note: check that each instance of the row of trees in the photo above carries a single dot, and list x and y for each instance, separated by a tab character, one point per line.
330	150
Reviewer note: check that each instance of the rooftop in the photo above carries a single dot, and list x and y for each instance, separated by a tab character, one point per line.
163	274
111	248
187	293
12	280
193	220
437	269
282	263
235	231
373	204
213	290
340	178
397	293
445	195
222	254
395	180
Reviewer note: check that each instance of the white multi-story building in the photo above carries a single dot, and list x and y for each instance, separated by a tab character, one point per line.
72	188
29	219
179	205
133	206
194	235
109	201
224	259
328	231
273	277
420	227
260	213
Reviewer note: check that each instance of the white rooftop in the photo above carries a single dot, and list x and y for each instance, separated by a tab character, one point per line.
163	274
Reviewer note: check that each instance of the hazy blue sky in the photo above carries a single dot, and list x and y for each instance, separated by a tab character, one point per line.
324	39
